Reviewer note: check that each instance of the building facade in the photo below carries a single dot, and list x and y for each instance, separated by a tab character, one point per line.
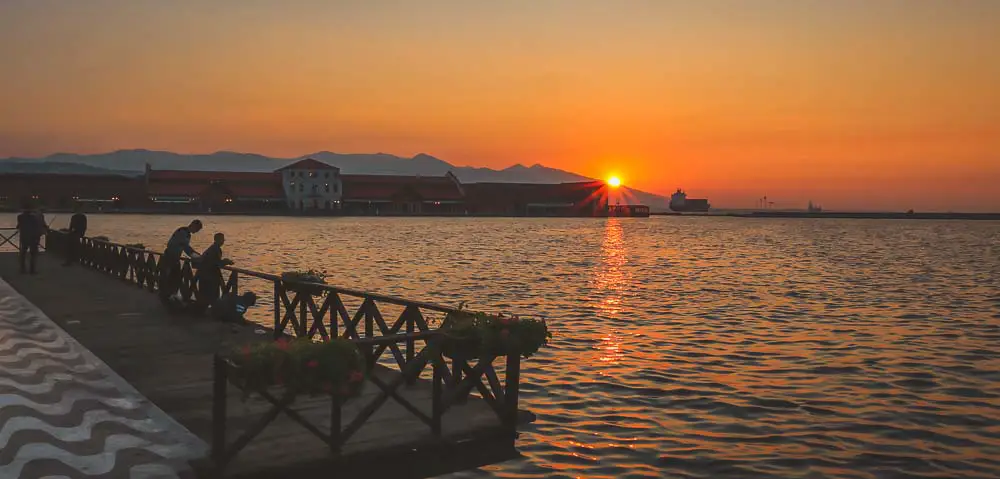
213	191
377	195
311	185
536	199
64	191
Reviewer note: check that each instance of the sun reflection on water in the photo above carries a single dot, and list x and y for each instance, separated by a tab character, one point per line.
612	281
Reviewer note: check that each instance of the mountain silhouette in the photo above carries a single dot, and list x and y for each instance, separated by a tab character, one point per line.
135	161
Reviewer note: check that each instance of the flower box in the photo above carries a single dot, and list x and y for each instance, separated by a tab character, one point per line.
306	282
300	365
476	335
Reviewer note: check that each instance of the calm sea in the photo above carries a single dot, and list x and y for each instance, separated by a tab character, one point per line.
698	347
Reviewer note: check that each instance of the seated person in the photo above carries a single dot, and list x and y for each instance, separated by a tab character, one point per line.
230	308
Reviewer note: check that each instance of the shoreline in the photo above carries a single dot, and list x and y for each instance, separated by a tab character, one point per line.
749	215
847	215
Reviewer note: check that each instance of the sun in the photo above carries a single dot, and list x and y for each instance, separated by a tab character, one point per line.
614	181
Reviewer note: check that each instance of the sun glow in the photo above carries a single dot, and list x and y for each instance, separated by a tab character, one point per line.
614	182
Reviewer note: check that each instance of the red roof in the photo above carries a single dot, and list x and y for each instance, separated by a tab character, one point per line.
308	164
387	187
190	190
161	175
493	193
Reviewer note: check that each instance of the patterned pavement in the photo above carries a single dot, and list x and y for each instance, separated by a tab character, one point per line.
64	413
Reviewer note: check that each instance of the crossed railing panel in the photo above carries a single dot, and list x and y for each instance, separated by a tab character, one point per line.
446	393
9	239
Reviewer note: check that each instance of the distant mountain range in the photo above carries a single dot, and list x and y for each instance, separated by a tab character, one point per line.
133	162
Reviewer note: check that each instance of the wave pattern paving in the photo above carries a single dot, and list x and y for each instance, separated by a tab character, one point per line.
63	413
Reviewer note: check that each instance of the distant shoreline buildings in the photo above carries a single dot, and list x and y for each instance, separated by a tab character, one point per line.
306	187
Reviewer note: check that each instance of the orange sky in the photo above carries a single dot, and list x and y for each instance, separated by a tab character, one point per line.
855	104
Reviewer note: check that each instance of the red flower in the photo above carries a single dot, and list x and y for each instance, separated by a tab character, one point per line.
282	344
313	363
356	376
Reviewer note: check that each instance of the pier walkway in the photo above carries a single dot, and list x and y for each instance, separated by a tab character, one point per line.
430	414
64	412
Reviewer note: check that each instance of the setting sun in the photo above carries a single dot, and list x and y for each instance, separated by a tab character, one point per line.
614	182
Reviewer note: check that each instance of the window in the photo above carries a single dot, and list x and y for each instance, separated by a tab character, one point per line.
302	187
312	174
326	175
334	187
328	187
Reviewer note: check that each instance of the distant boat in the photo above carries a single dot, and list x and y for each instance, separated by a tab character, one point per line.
681	203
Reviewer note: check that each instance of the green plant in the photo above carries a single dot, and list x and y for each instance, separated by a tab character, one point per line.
475	334
301	365
304	281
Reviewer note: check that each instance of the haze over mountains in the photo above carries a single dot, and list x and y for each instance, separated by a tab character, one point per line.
131	162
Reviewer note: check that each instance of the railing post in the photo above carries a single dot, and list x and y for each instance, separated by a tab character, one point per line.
457	362
219	380
511	388
303	325
369	330
410	343
437	408
277	309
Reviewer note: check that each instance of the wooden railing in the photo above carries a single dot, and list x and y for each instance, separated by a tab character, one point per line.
409	338
9	240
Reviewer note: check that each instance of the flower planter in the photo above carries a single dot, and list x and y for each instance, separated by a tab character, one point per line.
300	366
300	288
464	349
304	282
474	335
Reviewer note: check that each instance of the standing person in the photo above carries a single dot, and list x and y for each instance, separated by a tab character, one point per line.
77	230
30	229
40	213
210	272
170	262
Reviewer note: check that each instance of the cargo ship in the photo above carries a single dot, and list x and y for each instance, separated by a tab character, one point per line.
681	203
